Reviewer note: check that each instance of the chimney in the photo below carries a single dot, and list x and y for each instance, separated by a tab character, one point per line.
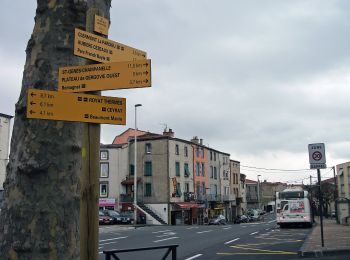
201	141
169	133
195	140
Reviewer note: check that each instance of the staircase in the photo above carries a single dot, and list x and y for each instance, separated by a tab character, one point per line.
148	211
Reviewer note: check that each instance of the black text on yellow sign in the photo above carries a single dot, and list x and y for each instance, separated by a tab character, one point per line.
97	48
53	105
115	75
101	25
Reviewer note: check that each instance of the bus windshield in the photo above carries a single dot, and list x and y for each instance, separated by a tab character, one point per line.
291	195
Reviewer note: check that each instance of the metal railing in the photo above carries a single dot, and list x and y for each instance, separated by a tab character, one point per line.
171	248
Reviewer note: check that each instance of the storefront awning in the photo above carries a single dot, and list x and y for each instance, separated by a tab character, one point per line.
129	181
188	205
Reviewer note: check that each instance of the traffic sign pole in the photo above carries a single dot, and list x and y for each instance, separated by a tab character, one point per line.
321	203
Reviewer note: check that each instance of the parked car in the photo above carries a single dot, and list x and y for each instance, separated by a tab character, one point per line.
104	219
218	220
118	218
241	219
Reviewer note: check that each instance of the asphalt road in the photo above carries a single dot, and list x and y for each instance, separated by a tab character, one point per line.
260	240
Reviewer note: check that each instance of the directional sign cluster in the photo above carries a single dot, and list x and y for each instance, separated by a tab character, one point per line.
121	67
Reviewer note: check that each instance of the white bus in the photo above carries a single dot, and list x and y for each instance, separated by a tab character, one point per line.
293	207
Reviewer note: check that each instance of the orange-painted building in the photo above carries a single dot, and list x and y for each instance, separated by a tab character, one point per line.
200	168
124	137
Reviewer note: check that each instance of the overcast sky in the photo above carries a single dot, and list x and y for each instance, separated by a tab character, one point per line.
257	79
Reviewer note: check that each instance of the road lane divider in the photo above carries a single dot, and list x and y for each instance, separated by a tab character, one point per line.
231	241
193	257
109	239
205	231
169	238
256	232
161	231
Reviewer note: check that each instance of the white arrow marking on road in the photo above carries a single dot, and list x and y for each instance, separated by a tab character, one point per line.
193	257
233	240
164	239
112	239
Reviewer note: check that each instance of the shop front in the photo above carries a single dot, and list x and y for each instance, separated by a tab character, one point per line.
107	203
185	213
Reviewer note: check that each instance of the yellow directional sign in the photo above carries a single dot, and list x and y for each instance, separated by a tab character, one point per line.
97	48
116	75
101	25
53	105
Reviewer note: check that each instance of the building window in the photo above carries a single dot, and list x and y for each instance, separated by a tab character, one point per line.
198	169
203	171
202	152
198	189
177	169
148	148
211	172
148	168
187	187
186	151
148	189
177	149
178	189
104	189
214	156
104	155
227	190
203	188
104	170
132	169
186	170
211	155
215	173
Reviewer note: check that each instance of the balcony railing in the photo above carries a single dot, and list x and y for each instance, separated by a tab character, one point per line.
126	198
229	197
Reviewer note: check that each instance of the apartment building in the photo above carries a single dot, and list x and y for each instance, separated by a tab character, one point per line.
252	194
228	198
5	125
113	172
237	185
343	180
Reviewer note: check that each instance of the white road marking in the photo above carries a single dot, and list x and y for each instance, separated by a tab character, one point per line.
108	250
113	242
244	226
193	257
192	227
254	233
233	240
112	239
272	221
267	229
164	239
161	231
227	227
167	234
206	231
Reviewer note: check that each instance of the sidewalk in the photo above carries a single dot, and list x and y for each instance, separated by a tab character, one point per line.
336	240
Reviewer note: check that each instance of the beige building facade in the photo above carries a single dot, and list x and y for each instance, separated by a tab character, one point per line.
5	125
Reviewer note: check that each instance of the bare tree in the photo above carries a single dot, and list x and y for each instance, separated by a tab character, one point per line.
40	215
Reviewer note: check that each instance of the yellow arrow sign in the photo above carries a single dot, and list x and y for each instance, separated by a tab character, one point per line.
53	105
116	75
97	48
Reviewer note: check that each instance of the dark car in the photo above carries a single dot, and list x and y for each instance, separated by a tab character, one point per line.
241	219
118	218
218	220
104	219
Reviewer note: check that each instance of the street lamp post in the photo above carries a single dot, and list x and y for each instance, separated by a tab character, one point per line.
135	166
258	191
